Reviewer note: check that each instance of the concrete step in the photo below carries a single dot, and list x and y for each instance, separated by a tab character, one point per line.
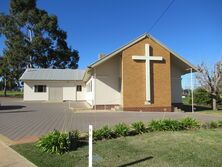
176	109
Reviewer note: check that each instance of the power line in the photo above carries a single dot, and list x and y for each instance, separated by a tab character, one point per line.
162	14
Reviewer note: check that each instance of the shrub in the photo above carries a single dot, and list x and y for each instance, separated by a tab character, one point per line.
121	129
103	133
165	125
58	142
189	123
138	127
171	125
73	141
201	97
212	124
155	125
219	123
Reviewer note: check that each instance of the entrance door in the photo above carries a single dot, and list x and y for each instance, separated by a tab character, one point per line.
55	94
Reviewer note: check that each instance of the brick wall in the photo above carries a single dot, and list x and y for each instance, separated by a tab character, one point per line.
134	83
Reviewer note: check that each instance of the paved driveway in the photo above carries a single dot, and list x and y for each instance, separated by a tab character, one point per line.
19	119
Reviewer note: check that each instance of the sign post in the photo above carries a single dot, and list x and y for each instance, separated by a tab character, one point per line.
90	144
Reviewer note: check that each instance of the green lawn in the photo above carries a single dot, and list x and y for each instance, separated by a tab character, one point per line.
157	149
219	112
12	93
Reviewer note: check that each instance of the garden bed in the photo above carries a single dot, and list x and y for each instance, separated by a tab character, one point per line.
179	148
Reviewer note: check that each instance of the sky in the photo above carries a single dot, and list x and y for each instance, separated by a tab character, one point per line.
191	28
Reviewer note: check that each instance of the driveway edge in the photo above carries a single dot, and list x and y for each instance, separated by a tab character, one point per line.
13	157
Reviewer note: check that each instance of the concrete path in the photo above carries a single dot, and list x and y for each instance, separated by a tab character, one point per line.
10	158
24	121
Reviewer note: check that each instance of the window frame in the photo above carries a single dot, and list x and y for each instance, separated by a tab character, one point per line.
38	89
78	88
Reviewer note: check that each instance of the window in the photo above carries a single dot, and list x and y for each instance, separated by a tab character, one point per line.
79	88
40	88
89	87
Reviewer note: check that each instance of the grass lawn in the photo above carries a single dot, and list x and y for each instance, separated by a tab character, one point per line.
157	149
12	93
219	112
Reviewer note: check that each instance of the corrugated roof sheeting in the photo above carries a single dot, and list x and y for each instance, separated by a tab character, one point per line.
53	74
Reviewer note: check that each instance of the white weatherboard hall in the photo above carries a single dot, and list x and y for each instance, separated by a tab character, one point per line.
53	84
143	75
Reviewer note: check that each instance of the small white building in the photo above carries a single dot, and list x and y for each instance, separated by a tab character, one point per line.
143	75
53	84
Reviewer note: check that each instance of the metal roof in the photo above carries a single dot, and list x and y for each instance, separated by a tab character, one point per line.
52	74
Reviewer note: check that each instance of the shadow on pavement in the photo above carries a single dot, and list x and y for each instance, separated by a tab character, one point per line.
188	108
11	107
8	112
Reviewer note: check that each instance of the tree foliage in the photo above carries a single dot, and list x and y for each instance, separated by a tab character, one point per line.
211	80
202	97
47	46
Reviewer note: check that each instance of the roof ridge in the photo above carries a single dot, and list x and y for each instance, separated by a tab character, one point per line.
132	42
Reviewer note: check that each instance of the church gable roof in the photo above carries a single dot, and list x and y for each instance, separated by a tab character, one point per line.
114	53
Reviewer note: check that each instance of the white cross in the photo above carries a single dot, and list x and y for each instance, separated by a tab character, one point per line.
147	59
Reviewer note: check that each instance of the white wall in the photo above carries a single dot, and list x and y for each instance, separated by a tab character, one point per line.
29	93
176	87
90	95
108	82
80	96
69	90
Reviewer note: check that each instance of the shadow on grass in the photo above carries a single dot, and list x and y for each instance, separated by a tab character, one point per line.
11	107
83	143
136	162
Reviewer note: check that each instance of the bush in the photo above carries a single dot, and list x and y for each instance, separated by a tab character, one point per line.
73	141
201	97
156	125
219	123
121	129
214	124
103	133
138	127
189	123
171	125
58	142
165	125
211	125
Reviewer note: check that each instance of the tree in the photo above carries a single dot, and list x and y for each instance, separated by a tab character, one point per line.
201	97
210	81
34	37
7	78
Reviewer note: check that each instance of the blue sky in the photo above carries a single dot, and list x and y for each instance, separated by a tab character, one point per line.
192	28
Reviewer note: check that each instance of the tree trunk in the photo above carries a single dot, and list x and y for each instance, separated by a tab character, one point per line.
5	87
214	104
